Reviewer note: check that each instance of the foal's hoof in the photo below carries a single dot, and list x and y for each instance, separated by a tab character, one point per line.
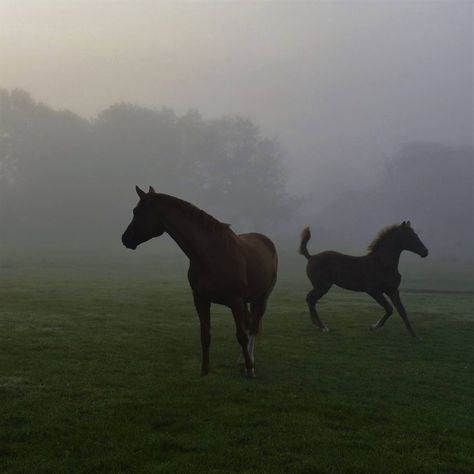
204	372
324	329
373	327
419	339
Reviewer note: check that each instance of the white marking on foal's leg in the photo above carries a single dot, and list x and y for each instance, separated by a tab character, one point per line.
375	326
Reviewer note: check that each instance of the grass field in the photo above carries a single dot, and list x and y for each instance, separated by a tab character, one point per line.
99	372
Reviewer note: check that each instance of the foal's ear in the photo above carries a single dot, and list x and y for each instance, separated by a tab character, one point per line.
404	224
408	224
151	190
141	194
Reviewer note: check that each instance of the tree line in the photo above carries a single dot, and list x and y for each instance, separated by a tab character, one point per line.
60	173
67	178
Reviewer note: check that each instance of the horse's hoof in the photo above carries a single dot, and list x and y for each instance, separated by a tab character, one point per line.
419	339
324	329
204	372
373	327
250	374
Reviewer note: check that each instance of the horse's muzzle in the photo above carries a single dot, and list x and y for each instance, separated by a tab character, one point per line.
128	244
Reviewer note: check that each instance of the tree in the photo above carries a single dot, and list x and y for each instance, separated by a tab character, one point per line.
64	177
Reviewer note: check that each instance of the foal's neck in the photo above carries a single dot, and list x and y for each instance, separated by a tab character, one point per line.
390	253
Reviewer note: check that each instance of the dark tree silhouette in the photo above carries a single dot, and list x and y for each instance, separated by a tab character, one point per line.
61	174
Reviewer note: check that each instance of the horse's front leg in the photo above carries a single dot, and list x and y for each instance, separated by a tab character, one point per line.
203	308
239	311
394	295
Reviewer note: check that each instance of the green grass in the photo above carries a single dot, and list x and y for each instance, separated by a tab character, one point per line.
99	372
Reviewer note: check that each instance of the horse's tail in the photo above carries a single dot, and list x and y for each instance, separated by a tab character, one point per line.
305	236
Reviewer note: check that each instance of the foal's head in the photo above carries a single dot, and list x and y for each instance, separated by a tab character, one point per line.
145	225
407	239
399	237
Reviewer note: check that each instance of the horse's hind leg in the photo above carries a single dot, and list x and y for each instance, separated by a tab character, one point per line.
239	312
397	302
241	359
312	298
257	310
381	300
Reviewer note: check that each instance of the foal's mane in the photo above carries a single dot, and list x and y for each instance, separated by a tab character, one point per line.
381	237
194	214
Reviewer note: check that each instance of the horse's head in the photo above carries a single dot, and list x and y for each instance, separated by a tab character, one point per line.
145	225
410	241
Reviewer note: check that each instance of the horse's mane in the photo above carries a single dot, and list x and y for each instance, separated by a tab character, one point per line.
381	236
194	214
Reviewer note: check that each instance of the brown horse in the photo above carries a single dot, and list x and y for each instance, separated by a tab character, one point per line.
375	273
225	268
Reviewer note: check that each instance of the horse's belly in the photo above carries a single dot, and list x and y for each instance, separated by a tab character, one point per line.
215	289
349	276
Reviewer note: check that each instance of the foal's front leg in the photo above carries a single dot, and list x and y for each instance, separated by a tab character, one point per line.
397	302
380	298
203	309
239	312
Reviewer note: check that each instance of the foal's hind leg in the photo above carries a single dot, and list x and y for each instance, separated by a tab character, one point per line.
380	298
312	298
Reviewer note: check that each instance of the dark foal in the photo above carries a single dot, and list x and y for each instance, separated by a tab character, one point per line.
237	271
375	273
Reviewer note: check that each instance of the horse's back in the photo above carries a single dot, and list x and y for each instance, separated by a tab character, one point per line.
260	247
258	241
330	267
329	257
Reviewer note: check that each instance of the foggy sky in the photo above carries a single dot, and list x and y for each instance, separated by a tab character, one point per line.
342	85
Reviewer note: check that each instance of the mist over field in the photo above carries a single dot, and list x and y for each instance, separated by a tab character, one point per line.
271	116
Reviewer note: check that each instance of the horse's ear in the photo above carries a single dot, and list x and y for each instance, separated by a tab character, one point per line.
404	224
141	194
151	190
408	224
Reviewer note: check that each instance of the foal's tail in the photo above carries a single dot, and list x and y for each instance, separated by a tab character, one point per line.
305	236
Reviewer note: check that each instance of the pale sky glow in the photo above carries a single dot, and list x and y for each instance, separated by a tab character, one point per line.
342	83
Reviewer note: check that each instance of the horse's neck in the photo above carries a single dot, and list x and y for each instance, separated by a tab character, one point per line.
194	240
